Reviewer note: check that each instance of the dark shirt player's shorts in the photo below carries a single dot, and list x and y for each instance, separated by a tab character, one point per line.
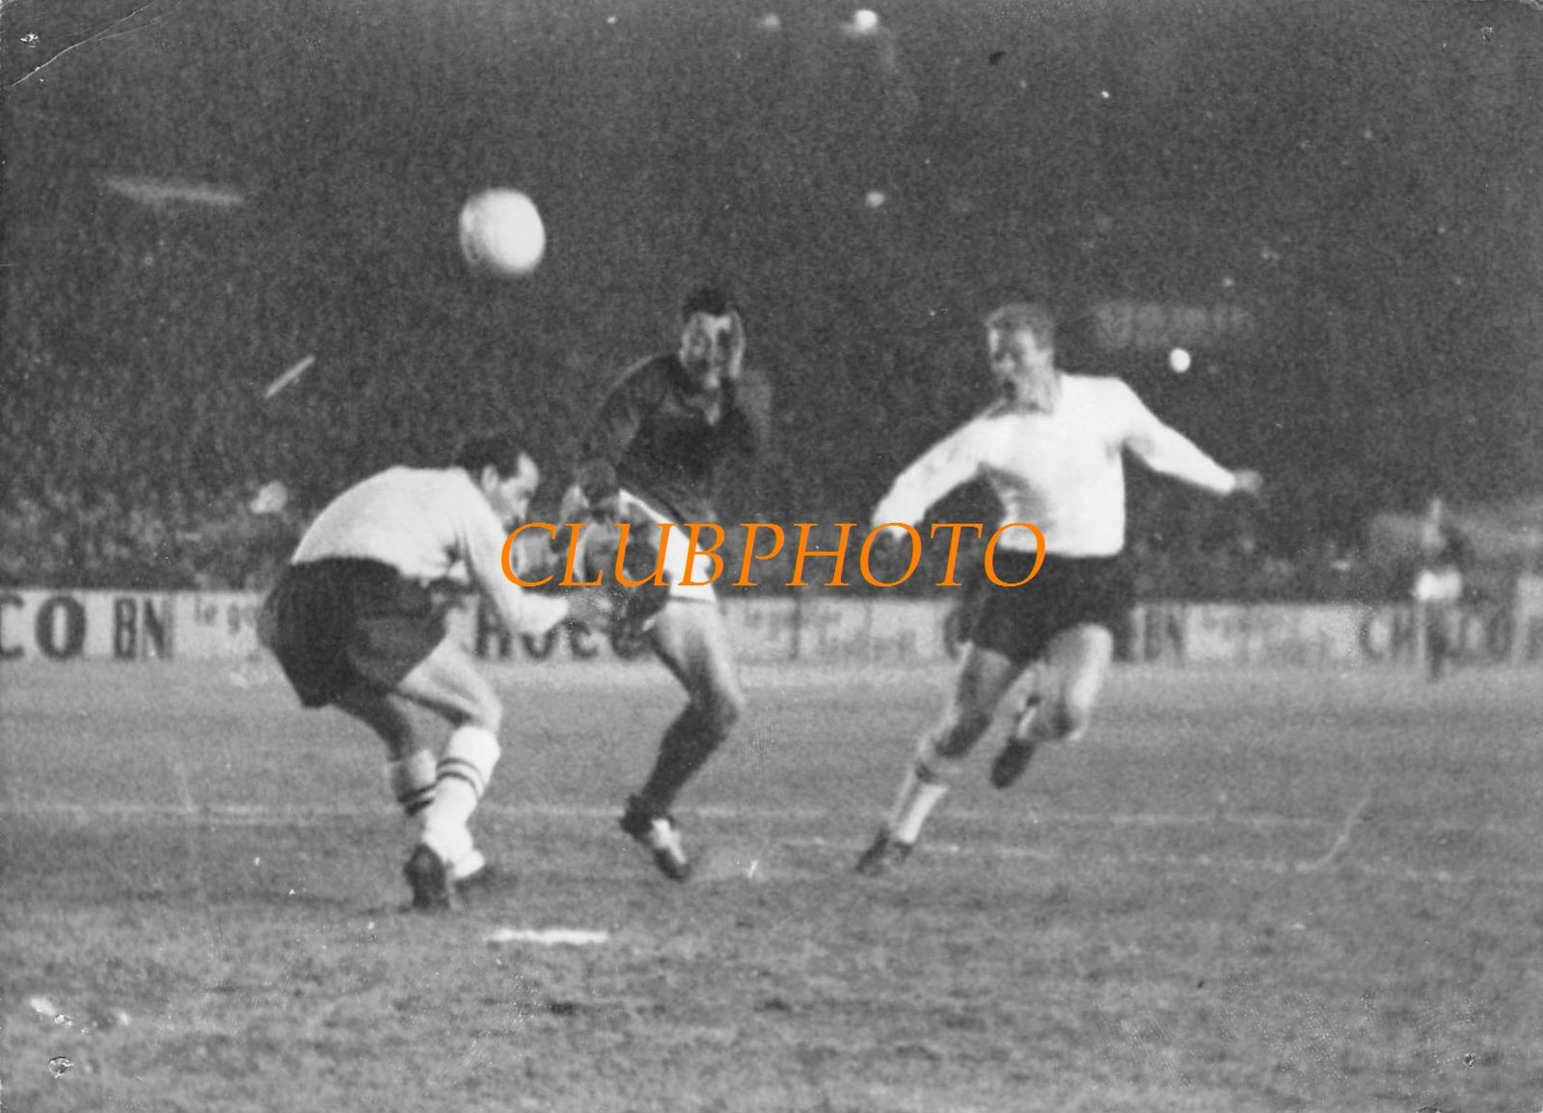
337	624
1020	622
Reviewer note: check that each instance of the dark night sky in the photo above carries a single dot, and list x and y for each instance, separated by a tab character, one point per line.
1363	177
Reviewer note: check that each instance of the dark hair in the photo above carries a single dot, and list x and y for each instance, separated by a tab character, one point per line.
712	300
1037	319
501	451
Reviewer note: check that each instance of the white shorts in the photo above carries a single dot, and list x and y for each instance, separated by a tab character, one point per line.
676	544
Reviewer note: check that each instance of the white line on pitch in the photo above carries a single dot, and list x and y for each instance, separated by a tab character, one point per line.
258	814
310	818
1177	861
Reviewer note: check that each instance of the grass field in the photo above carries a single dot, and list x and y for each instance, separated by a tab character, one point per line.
1247	891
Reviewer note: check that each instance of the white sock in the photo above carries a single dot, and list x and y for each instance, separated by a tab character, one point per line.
1023	726
924	786
411	781
464	771
467	864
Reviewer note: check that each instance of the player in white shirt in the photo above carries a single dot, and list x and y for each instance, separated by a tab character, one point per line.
1052	448
1438	589
357	620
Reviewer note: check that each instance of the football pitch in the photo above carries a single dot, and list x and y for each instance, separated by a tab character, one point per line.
1262	890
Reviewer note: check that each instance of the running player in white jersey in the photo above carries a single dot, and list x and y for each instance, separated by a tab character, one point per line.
357	620
1052	448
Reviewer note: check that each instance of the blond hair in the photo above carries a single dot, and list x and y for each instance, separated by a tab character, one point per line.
1024	316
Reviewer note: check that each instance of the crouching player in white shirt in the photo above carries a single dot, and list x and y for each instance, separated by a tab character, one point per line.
358	623
1052	448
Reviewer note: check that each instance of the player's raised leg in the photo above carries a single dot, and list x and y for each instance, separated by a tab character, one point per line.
1075	665
691	639
448	682
653	452
984	678
354	622
410	765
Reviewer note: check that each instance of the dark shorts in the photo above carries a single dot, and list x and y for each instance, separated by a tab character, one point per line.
341	624
1020	622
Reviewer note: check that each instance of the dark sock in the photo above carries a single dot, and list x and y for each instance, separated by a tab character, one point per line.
687	744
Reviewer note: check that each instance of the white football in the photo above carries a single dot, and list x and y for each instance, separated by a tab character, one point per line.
502	232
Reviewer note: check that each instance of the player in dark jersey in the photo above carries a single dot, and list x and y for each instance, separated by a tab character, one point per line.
653	453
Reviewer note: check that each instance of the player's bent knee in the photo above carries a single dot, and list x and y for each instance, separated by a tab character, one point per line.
721	711
731	711
951	746
1070	722
957	736
487	715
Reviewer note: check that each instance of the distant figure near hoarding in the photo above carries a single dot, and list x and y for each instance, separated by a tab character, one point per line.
357	621
1052	449
1439	584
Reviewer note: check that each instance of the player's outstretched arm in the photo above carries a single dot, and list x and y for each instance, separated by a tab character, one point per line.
520	611
1166	450
492	565
952	462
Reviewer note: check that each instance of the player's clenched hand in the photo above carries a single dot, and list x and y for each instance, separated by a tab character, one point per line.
1249	482
734	364
574	505
591	607
889	557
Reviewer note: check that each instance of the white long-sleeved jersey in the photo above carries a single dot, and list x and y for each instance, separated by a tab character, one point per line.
1061	470
425	522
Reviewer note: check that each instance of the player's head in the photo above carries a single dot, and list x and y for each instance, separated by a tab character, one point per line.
503	471
1020	342
712	336
1024	316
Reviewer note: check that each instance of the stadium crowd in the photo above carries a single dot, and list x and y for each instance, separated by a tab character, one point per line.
218	506
880	188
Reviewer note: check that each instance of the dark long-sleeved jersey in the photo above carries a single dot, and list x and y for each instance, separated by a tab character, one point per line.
666	442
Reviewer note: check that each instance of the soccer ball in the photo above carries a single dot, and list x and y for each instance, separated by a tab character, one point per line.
502	233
